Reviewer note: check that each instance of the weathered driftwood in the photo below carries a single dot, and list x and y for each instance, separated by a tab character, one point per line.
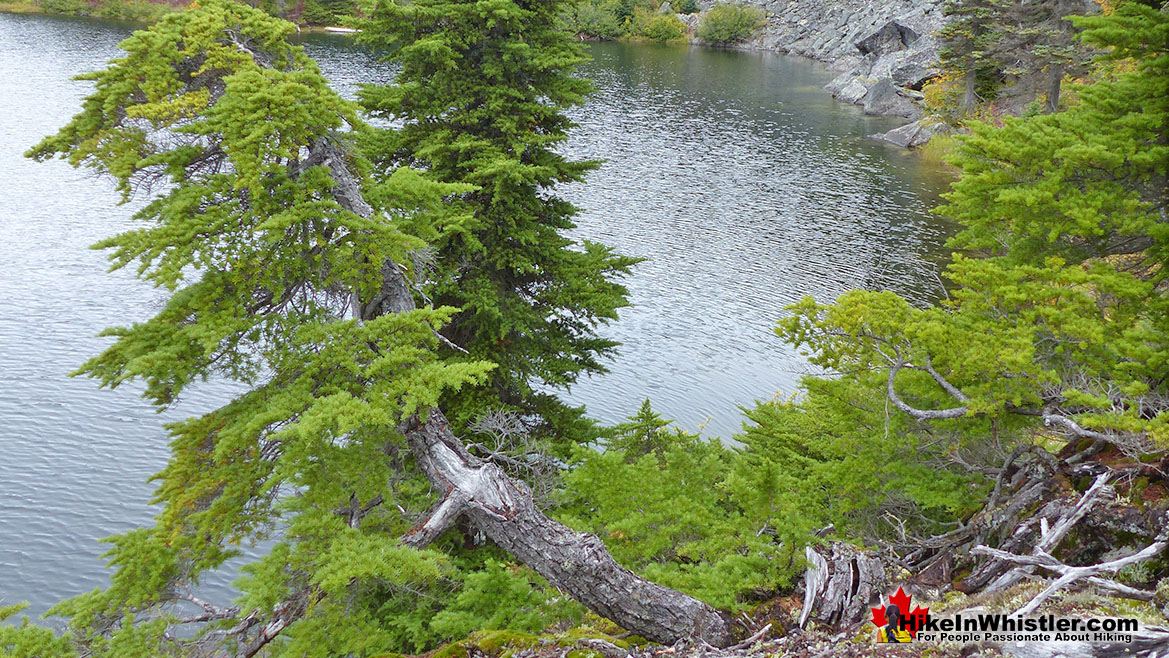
840	582
1147	643
1069	574
1051	536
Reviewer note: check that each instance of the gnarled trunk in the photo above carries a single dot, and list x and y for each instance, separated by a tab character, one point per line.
576	562
502	508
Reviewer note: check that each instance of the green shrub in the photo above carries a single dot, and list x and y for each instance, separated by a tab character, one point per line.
122	10
688	7
727	22
597	18
658	498
664	27
134	10
71	7
503	596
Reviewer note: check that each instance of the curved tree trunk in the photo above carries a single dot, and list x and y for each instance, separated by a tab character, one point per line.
502	508
576	562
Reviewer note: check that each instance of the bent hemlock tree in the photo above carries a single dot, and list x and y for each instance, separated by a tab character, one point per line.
301	295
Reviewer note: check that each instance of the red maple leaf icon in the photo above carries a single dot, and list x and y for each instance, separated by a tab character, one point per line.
913	620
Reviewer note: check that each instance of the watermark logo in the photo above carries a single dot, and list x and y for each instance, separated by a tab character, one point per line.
896	623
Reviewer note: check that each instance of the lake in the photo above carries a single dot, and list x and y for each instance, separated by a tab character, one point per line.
744	184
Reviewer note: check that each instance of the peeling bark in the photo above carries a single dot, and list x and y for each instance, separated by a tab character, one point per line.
840	583
502	508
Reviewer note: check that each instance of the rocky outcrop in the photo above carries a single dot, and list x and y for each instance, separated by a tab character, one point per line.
884	49
917	133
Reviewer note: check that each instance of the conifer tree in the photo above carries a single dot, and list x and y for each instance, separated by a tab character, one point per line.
968	42
1058	317
1040	40
269	273
481	92
288	270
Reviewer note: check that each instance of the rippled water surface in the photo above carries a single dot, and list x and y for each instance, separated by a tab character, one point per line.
739	179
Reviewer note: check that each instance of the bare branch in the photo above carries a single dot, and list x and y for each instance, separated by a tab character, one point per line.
1070	574
921	414
949	388
1050	538
1050	419
444	515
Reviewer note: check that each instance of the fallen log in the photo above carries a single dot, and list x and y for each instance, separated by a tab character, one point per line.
1146	643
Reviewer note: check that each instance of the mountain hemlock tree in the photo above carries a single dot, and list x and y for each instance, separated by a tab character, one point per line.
968	41
1058	317
480	95
983	40
1039	39
290	271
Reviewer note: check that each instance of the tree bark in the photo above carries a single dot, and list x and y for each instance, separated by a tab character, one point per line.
576	562
840	582
502	508
969	98
1054	82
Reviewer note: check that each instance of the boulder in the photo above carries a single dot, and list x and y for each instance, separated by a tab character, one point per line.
917	133
691	21
913	75
912	68
883	99
852	92
890	37
848	88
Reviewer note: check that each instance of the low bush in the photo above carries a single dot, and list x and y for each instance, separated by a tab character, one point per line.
664	27
727	22
597	18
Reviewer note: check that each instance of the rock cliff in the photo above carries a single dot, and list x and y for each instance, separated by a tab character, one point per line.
884	49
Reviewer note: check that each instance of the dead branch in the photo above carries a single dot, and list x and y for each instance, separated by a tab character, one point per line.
921	414
1069	574
1050	537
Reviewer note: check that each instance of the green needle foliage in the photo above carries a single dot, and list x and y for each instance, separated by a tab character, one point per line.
214	110
970	40
1057	323
481	96
670	505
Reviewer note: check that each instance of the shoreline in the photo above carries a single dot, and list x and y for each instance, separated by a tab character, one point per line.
869	81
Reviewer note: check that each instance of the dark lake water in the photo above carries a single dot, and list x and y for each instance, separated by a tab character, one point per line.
744	184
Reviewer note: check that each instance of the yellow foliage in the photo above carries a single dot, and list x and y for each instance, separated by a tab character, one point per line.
942	94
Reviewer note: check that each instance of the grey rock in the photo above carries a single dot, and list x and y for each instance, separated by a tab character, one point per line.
891	37
883	99
851	90
904	136
917	133
913	75
872	40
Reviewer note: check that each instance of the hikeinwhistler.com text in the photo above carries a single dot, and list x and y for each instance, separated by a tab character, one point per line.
997	627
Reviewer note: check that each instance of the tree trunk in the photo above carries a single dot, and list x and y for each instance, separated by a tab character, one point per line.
839	584
1054	81
969	98
502	508
576	562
